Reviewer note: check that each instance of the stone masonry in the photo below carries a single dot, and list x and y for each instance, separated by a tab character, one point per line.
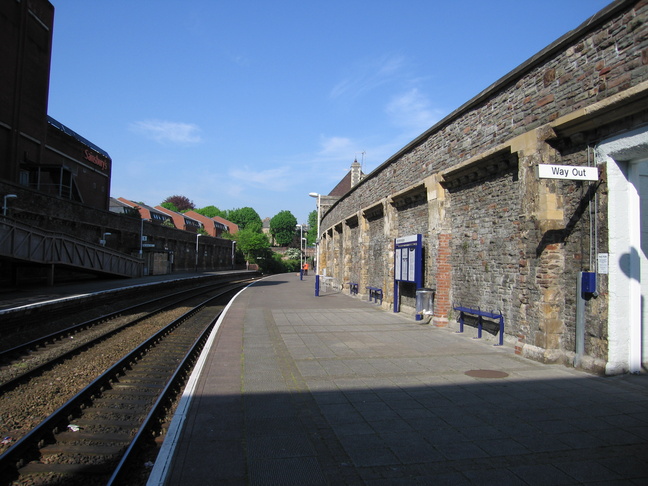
495	235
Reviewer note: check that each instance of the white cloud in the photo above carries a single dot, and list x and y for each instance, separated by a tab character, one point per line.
336	146
369	75
168	132
411	111
277	179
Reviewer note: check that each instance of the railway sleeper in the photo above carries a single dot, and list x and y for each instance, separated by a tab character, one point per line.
108	413
160	368
91	422
143	388
137	375
136	384
70	437
124	401
35	468
71	454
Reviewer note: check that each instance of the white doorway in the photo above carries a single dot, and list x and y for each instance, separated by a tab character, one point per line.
642	173
627	171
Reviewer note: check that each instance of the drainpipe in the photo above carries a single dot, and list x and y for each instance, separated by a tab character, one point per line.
580	322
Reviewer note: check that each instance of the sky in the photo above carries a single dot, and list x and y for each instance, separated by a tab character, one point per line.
257	103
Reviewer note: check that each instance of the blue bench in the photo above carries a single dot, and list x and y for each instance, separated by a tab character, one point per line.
353	288
375	293
480	314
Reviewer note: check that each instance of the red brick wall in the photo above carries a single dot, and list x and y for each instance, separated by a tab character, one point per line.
442	298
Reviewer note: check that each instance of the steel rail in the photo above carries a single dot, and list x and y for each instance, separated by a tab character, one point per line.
158	407
21	378
27	447
61	334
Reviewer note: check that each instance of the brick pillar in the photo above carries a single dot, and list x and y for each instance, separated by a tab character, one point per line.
442	301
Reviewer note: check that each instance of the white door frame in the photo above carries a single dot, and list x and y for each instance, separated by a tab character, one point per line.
625	331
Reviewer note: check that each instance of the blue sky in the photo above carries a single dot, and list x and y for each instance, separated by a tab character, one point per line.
258	103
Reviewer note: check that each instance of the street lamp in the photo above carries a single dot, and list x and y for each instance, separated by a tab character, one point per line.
301	253
102	242
4	204
141	229
233	252
198	235
317	241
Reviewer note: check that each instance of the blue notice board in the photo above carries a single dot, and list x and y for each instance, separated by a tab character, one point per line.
408	263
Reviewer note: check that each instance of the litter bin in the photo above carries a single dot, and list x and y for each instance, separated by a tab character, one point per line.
424	302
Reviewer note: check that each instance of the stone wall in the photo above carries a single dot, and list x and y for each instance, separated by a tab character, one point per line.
589	65
353	246
495	236
486	257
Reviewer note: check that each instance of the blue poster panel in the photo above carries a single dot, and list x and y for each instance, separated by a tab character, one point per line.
408	259
408	264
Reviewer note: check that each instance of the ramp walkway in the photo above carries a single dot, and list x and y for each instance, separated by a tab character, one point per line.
20	242
295	389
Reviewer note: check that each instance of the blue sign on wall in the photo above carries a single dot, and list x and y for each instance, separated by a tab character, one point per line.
408	263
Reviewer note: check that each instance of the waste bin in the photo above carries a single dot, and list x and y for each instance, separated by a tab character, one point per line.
425	302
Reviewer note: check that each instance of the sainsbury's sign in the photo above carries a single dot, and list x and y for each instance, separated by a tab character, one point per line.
95	159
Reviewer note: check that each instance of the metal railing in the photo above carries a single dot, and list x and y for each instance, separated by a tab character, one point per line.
21	242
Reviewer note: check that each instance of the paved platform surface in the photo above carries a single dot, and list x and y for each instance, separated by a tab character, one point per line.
302	390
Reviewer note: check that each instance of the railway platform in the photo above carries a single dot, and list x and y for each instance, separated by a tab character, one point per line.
38	295
294	389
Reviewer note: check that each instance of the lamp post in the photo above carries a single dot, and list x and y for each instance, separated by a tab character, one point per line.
103	239
4	204
317	240
233	253
301	253
198	235
141	229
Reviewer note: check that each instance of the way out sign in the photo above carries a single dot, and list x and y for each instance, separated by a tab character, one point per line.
568	172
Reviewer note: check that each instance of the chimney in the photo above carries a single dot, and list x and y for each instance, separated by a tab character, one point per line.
356	173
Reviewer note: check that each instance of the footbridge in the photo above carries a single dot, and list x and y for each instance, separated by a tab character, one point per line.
22	243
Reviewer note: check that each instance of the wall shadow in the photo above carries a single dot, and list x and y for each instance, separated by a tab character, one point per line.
489	431
561	235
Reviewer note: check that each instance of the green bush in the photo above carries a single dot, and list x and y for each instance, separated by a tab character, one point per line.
292	265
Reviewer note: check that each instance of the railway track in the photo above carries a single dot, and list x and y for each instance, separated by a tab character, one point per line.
24	361
93	436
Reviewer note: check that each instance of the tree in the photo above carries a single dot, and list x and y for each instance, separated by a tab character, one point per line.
182	203
251	243
282	227
211	211
245	218
293	254
312	224
170	206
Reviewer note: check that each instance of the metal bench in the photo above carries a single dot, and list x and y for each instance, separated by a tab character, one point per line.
353	288
480	314
375	293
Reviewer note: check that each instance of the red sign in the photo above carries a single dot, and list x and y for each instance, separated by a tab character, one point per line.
95	159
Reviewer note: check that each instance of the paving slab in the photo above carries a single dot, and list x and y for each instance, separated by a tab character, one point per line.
302	390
